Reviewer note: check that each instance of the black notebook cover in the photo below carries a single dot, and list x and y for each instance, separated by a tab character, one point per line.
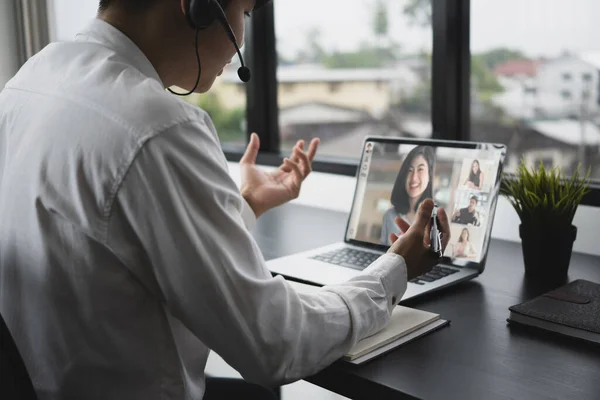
575	305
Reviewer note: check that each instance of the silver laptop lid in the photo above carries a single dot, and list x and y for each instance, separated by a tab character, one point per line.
396	174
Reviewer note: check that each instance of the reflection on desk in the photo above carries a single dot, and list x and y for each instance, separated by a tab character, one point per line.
478	356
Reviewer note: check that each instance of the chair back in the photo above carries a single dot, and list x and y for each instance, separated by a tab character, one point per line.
15	382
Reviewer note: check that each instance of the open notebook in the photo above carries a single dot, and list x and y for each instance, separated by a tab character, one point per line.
406	324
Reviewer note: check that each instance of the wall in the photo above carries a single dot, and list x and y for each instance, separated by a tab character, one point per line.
9	51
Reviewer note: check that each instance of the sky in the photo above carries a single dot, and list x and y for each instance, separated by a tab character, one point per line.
536	27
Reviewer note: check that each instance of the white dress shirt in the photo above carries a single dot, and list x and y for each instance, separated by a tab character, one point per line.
125	250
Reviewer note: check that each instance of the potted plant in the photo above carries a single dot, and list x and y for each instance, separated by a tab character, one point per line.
546	202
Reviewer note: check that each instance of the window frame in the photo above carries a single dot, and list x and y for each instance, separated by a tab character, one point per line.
451	83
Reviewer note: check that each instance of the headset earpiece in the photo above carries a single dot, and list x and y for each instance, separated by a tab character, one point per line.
202	13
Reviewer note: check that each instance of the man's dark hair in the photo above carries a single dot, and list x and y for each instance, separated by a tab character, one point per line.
134	5
104	4
475	198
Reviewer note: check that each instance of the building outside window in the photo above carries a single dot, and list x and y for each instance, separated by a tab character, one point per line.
541	84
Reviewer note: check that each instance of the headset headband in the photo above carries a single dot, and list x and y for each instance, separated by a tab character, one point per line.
260	3
201	13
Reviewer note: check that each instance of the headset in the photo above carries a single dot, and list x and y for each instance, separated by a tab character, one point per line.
200	15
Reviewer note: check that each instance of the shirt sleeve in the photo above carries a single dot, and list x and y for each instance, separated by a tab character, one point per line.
248	215
184	210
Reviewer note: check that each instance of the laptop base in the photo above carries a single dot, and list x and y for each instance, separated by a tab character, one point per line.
303	268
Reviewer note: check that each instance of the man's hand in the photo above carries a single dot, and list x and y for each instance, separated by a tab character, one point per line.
414	244
265	190
455	216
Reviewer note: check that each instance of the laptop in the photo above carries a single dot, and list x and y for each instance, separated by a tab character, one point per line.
394	175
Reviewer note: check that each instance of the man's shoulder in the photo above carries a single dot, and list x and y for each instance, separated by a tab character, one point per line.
142	104
105	86
154	110
99	109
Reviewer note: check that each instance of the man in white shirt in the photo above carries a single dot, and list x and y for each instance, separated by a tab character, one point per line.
125	252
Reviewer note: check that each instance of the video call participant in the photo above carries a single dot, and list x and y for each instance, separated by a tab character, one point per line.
464	248
413	185
467	215
475	178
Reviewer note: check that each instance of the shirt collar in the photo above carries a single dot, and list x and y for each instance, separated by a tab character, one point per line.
101	32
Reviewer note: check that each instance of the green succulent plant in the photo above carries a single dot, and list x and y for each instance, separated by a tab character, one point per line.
544	196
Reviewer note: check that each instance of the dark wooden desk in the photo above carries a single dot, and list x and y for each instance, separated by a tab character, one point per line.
478	356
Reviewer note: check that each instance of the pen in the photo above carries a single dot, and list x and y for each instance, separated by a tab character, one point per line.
435	236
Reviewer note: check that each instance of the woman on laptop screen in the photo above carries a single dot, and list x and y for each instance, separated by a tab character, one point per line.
475	179
464	248
413	185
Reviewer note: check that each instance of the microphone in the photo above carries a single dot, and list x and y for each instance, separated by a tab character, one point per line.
243	72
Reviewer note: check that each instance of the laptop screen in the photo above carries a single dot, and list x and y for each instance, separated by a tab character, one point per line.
396	175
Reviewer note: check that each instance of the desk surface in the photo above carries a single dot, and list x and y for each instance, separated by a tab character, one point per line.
478	356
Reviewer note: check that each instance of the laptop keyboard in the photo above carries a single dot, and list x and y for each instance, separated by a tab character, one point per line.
358	259
436	273
347	257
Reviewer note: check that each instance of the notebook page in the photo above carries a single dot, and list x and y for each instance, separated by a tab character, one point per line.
403	321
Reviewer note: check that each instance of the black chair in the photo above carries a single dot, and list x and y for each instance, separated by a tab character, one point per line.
15	382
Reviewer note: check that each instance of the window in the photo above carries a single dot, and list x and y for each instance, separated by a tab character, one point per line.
226	101
534	77
543	45
585	94
334	87
531	90
288	87
68	17
366	72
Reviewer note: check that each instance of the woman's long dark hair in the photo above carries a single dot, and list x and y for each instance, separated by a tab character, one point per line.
460	239
472	176
399	198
